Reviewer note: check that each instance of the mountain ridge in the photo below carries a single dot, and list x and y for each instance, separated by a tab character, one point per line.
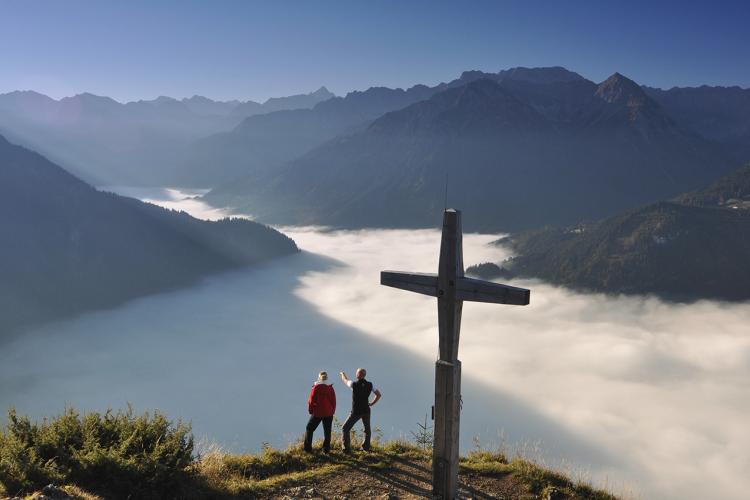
263	142
68	239
134	143
721	114
578	155
691	247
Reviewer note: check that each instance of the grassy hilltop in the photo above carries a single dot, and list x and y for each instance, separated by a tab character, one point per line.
123	455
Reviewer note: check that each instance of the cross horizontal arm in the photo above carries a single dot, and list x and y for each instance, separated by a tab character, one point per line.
486	291
423	283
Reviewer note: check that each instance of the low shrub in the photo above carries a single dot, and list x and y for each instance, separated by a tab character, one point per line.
115	454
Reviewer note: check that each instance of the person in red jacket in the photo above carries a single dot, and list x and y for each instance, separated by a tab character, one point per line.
321	404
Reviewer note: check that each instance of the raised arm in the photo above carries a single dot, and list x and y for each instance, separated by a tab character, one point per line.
344	378
378	395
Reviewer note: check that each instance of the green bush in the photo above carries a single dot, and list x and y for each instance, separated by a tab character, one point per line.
116	454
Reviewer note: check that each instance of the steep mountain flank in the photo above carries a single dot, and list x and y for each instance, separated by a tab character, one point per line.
721	114
263	142
69	248
695	246
516	155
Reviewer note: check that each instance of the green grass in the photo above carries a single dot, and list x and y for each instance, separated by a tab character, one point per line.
121	455
247	476
538	479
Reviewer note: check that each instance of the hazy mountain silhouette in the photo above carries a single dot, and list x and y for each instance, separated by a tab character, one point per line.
204	106
550	147
692	247
298	101
107	142
263	142
70	248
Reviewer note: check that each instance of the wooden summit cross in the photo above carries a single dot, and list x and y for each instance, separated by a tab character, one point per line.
451	289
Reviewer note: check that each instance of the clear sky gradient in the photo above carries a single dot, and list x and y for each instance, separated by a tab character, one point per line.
136	49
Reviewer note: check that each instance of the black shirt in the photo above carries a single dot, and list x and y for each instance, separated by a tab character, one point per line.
361	390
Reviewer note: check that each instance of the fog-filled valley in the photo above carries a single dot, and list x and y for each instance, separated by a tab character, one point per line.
192	223
643	395
70	248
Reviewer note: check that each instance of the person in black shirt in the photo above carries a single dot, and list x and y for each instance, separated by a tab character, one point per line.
361	404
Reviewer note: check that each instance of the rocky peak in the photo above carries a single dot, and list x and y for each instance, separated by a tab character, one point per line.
618	88
620	94
323	92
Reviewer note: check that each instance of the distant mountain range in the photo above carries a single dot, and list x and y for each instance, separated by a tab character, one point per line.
692	247
521	148
107	142
262	143
297	101
69	248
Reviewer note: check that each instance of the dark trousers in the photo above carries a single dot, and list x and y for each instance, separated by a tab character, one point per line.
312	424
353	418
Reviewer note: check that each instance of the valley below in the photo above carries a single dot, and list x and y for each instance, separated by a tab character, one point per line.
571	380
203	208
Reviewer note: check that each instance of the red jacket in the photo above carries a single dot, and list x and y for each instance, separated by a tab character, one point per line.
322	401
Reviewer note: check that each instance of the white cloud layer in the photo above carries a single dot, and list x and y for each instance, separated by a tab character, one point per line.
665	387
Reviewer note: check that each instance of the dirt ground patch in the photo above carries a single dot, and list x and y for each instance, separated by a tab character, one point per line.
402	478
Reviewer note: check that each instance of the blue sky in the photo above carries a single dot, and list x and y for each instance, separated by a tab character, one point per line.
254	50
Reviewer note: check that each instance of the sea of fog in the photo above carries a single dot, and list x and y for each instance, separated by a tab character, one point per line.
649	398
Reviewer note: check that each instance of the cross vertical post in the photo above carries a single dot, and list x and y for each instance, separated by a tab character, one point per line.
451	288
448	367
